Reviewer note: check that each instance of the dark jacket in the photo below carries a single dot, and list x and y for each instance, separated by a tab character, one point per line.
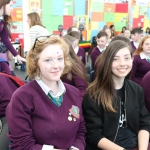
100	123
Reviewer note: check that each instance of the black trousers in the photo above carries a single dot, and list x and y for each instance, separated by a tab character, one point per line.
4	142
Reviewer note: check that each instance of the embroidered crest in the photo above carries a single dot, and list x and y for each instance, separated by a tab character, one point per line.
75	111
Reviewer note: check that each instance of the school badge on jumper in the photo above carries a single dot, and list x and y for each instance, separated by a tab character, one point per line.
74	113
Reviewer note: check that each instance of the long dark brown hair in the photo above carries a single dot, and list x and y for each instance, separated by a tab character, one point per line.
102	89
78	67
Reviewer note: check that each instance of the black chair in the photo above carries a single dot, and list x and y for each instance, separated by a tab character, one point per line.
92	76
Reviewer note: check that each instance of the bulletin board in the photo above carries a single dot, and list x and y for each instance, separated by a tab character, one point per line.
107	12
140	14
17	26
66	13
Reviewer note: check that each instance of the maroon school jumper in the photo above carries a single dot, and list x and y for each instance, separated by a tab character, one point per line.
94	54
34	120
139	69
81	54
5	38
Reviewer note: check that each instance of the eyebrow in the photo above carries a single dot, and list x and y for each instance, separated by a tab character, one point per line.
124	55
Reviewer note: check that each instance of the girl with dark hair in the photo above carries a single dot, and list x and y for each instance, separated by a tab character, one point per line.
5	22
113	107
123	29
147	32
77	76
112	27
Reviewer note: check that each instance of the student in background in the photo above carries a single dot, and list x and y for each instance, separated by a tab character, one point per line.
113	107
147	32
146	86
141	62
9	85
123	29
73	28
77	75
47	113
6	6
136	38
36	27
127	34
112	27
101	39
109	33
78	50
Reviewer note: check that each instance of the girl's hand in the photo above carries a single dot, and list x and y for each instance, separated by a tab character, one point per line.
20	59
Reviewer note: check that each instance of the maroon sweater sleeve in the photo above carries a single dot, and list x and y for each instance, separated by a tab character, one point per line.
10	87
5	38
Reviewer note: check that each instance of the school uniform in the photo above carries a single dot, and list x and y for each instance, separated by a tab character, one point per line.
76	81
6	91
134	46
140	67
146	86
103	124
81	53
95	53
4	37
36	122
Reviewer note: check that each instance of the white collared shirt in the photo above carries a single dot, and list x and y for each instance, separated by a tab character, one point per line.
101	49
76	49
46	89
144	56
136	44
1	17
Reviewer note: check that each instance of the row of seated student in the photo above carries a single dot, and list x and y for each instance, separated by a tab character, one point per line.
49	114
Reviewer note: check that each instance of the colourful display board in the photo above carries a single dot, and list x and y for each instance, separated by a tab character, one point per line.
17	25
140	14
107	12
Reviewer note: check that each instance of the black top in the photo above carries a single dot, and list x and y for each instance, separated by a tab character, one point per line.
125	136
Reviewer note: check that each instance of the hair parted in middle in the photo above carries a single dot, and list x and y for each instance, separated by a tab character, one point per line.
33	55
35	19
102	89
140	48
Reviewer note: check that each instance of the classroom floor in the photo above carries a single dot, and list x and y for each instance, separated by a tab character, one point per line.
21	74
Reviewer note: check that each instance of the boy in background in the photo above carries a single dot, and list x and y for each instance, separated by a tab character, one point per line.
136	35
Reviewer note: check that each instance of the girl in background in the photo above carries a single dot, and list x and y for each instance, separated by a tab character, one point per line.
36	27
113	107
141	62
127	34
77	75
109	33
6	6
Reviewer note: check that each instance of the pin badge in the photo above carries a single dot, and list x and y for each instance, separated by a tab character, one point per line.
70	118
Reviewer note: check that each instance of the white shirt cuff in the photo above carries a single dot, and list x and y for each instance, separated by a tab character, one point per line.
47	147
74	147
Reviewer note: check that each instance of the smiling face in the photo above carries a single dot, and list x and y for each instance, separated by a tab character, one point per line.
108	32
9	8
127	34
51	63
122	63
146	46
101	42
